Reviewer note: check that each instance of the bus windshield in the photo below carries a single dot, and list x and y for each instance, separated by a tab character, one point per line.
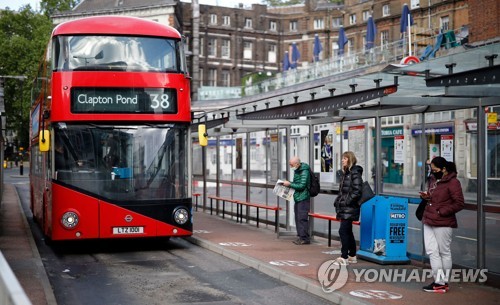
116	53
123	163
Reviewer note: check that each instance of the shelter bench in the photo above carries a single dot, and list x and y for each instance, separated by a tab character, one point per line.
217	199
196	195
239	209
258	206
330	218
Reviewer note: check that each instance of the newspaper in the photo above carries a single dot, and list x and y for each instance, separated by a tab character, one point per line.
283	191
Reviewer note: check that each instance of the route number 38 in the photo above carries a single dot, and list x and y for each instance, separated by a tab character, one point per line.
160	100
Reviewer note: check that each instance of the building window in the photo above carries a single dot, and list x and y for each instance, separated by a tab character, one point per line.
248	23
273	26
201	77
225	49
336	22
444	23
352	19
386	10
350	46
225	79
213	19
319	23
335	49
247	50
212	77
202	43
212	47
271	54
293	26
366	15
384	38
226	20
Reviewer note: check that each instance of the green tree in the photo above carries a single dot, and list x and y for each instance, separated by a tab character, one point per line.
50	7
23	38
275	3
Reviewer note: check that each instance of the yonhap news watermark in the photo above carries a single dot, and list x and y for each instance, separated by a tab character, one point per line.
333	277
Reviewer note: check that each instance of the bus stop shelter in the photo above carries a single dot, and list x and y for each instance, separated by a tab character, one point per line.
451	100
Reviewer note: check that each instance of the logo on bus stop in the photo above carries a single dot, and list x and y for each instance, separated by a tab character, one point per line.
331	276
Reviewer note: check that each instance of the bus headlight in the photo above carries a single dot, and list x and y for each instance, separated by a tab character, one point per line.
69	220
181	215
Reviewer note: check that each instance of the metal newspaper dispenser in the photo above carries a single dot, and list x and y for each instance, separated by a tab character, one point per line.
384	230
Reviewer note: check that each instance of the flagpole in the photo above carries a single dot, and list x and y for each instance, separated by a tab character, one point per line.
409	34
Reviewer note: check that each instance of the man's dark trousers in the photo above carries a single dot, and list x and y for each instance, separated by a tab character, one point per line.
301	210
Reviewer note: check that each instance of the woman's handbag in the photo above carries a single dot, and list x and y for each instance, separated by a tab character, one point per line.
366	193
420	210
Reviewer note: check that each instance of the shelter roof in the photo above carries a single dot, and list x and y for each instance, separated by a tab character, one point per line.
414	95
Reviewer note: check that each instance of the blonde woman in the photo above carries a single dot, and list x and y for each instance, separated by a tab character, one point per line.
347	206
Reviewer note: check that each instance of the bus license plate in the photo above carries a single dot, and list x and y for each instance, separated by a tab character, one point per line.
128	230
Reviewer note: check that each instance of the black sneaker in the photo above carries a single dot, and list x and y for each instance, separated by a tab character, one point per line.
438	288
297	241
301	242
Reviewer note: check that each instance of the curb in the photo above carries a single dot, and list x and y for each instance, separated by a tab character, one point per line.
283	276
47	288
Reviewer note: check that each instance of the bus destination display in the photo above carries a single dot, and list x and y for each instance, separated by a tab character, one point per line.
123	100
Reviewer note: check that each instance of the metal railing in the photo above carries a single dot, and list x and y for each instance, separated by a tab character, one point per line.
388	54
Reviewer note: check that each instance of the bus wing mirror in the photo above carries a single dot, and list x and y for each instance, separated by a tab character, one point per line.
44	140
202	135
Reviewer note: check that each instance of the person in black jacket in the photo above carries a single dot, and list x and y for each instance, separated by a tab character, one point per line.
347	206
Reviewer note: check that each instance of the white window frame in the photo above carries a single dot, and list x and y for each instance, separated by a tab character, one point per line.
212	47
352	19
294	25
386	10
384	38
202	43
213	18
366	15
319	23
271	53
336	22
225	48
225	78
444	23
226	20
248	23
247	50
201	77
273	25
212	77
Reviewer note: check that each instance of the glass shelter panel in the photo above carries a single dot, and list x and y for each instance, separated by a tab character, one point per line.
258	157
492	219
226	150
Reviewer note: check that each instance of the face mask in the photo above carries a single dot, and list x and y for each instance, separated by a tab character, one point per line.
438	175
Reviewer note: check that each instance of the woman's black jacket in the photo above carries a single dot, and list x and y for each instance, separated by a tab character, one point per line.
346	203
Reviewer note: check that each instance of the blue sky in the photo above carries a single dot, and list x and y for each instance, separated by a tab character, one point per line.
16	4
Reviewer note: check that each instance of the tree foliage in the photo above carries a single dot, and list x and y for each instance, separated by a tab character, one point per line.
275	3
24	36
23	39
50	7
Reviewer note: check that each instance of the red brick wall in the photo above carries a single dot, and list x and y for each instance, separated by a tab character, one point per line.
484	21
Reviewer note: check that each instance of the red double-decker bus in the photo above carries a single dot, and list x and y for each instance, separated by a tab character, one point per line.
110	132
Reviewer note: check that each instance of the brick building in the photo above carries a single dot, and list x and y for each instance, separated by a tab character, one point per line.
244	43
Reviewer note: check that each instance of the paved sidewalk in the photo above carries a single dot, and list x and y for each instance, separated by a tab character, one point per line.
298	266
256	247
20	251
